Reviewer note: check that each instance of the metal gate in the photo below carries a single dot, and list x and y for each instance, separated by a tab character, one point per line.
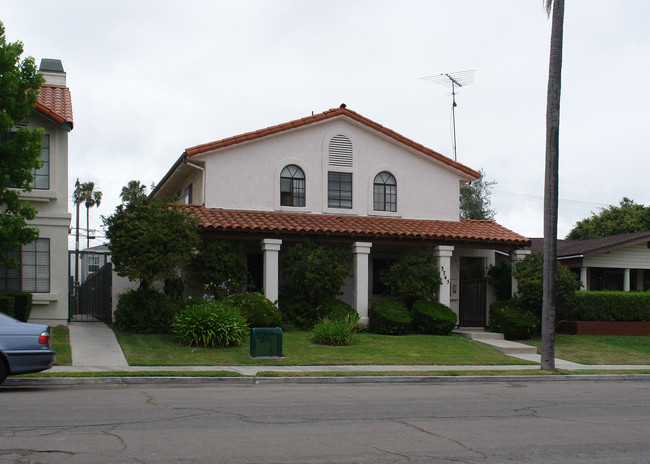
472	303
95	297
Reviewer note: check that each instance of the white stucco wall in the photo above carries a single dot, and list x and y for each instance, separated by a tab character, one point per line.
53	222
247	175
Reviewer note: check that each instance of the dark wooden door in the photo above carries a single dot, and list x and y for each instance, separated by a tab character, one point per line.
472	293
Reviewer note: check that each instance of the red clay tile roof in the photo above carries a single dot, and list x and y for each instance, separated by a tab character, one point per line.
55	103
192	151
363	226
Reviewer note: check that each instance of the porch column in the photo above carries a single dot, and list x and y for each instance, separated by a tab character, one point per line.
443	254
360	252
583	277
271	252
515	257
626	280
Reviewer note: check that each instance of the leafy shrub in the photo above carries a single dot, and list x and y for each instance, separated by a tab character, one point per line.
258	310
529	273
389	317
148	313
338	332
311	273
335	309
219	267
433	318
412	278
22	304
210	324
514	323
500	279
609	306
7	305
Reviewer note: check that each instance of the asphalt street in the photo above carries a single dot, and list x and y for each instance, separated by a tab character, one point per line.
571	421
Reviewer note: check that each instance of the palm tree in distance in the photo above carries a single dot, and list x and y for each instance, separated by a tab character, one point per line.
87	194
551	183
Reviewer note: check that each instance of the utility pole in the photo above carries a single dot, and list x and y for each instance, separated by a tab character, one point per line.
77	187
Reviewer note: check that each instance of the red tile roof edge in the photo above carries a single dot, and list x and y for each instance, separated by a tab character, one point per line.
332	113
300	223
54	102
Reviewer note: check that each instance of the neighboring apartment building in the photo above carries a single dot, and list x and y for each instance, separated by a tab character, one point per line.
342	178
43	269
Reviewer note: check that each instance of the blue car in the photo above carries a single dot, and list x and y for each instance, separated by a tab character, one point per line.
24	347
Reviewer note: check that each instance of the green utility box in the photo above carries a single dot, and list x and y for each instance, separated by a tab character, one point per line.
266	342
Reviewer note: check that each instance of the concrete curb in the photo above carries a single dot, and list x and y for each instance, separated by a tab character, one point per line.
20	382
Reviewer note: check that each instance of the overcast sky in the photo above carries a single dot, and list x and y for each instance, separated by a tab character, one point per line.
151	78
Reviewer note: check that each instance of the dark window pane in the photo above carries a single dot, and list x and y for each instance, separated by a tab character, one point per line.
292	186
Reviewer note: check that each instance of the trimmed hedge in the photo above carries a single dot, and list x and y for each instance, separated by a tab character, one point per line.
22	305
513	322
430	317
609	306
389	318
258	310
7	305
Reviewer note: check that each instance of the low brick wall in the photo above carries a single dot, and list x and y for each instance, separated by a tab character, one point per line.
603	328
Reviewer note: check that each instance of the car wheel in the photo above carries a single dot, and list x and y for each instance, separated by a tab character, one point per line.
3	370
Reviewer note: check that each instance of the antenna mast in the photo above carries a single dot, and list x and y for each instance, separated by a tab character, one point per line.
453	80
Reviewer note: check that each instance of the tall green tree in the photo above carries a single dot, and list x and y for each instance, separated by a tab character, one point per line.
20	149
475	199
150	239
551	183
90	197
626	218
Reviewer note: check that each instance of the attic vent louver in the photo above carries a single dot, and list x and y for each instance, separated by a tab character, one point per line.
340	151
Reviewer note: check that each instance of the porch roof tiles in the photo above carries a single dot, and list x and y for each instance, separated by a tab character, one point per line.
359	226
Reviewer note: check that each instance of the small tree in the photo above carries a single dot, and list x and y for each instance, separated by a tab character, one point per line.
219	268
150	239
20	150
311	273
414	277
475	199
529	273
500	279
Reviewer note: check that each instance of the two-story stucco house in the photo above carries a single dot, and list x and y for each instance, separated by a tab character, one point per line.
43	269
341	177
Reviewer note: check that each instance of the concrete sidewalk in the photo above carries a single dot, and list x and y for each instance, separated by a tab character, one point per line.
95	349
93	345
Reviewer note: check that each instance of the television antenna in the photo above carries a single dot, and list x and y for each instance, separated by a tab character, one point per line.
453	80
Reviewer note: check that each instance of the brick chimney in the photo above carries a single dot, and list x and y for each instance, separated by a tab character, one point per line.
52	71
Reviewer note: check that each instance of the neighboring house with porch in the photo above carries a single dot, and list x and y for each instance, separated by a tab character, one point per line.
344	179
618	262
43	269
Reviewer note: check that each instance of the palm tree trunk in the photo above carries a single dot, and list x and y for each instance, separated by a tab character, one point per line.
551	187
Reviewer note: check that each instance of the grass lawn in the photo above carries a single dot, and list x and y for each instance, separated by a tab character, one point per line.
599	349
161	350
61	344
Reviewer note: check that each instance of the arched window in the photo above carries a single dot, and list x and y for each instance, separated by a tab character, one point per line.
292	186
385	192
